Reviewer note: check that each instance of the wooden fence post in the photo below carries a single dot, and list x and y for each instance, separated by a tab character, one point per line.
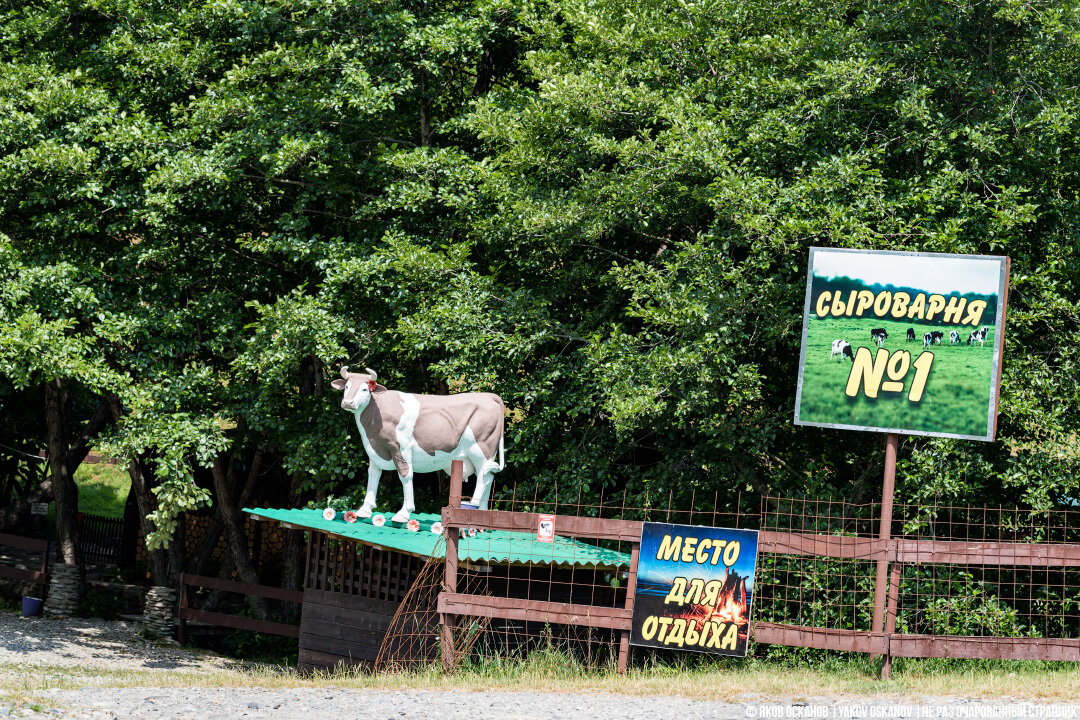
182	636
890	617
631	594
446	620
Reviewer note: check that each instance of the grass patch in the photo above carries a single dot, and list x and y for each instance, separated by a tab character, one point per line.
103	489
715	680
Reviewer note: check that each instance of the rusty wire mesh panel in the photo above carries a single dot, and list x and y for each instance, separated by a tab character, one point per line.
806	590
992	572
413	637
1006	580
580	585
518	639
984	574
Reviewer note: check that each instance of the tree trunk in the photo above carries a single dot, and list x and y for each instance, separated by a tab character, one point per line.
161	570
209	540
65	492
425	112
235	537
206	545
129	541
177	551
292	566
426	101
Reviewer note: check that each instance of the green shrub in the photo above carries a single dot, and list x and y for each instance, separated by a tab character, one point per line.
261	648
97	604
972	611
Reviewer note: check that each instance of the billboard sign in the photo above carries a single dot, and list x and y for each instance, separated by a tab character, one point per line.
902	342
694	588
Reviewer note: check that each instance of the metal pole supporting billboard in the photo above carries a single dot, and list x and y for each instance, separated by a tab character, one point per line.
881	581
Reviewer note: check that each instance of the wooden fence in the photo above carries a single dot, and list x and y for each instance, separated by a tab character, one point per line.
188	613
38	577
453	604
899	553
795	600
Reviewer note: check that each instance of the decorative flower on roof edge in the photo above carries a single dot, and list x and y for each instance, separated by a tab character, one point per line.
436	527
413	525
378	520
350	516
329	514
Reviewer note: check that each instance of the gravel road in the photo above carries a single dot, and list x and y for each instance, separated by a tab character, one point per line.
73	649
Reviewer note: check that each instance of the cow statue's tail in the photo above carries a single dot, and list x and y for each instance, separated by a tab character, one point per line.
502	433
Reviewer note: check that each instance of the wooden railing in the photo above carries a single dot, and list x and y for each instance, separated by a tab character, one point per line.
897	552
452	603
892	553
38	577
237	622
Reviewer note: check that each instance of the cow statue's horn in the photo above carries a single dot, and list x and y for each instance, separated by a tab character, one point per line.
345	371
371	373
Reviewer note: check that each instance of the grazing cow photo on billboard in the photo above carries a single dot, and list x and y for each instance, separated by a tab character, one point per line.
902	342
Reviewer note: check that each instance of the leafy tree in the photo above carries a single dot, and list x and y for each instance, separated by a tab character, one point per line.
178	180
599	210
640	206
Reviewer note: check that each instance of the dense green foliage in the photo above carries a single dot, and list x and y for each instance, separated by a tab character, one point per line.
600	210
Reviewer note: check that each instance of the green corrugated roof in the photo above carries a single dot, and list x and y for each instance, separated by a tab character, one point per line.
487	547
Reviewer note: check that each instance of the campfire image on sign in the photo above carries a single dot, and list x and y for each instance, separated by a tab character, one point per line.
731	605
695	588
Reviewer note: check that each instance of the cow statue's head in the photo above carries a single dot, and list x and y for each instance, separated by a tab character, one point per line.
357	387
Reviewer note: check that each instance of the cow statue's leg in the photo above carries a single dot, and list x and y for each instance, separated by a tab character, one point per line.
483	489
408	507
374	474
484	477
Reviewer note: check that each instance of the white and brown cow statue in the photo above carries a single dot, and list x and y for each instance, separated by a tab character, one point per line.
422	433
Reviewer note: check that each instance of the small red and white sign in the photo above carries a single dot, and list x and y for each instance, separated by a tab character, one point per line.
545	529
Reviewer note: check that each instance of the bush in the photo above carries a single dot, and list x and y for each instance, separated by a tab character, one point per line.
97	604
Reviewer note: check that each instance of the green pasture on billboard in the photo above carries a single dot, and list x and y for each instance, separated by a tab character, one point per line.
902	342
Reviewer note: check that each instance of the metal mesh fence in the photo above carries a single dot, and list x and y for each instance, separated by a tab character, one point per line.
818	592
994	576
596	582
1007	575
957	570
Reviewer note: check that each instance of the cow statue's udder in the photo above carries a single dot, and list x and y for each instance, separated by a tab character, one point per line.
413	433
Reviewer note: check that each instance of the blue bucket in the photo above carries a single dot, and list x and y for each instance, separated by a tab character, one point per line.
31	606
